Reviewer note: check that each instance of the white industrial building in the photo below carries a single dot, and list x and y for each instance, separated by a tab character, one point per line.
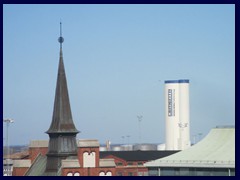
177	114
213	156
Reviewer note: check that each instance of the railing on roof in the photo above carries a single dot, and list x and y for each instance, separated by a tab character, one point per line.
196	162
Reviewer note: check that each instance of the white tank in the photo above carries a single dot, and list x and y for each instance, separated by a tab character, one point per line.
102	148
145	147
117	148
127	147
161	147
177	114
184	115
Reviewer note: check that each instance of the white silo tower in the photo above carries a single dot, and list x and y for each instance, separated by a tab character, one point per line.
177	114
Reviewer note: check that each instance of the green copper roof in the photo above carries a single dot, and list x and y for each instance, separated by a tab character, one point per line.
217	149
38	166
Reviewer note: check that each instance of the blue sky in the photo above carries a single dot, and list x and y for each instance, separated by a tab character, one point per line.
116	60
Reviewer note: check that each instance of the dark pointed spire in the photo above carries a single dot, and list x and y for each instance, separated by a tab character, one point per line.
62	131
62	117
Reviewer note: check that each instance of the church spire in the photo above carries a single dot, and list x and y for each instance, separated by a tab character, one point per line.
62	117
62	131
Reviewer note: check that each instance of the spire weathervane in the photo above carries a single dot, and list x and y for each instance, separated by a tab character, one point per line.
60	39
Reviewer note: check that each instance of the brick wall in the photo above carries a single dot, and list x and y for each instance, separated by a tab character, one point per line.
34	151
128	168
131	171
81	150
88	171
19	171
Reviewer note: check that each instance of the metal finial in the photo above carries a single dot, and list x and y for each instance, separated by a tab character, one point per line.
60	28
60	39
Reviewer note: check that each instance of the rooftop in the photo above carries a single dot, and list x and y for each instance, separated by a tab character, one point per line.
70	163
137	155
80	143
217	149
88	143
38	166
38	143
22	163
107	163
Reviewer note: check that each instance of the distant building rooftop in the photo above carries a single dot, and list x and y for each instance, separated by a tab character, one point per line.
137	155
20	155
80	143
88	143
38	143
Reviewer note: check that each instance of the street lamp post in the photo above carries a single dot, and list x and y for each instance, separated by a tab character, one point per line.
139	120
123	139
7	121
128	136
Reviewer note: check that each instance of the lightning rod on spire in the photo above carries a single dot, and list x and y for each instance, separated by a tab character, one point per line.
60	39
60	28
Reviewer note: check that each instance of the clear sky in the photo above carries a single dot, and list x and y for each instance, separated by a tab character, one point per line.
116	60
